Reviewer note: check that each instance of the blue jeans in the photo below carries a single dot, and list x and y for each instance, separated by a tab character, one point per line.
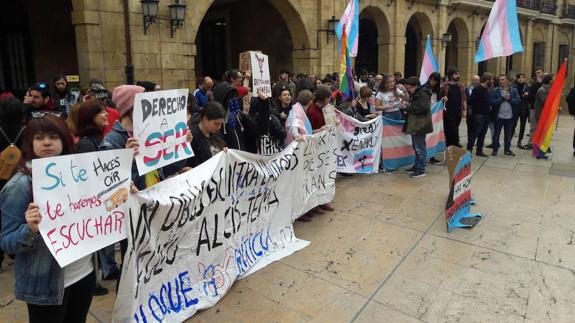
395	115
107	258
420	148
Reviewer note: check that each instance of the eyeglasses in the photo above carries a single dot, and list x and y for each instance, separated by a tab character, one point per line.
40	114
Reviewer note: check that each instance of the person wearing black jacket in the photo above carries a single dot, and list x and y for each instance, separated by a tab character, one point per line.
480	101
522	113
207	140
418	123
539	74
237	122
270	134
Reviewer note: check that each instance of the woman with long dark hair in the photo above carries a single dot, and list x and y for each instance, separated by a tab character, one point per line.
51	293
207	140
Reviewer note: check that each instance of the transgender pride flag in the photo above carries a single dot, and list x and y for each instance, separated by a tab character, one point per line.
501	34
396	146
350	21
428	65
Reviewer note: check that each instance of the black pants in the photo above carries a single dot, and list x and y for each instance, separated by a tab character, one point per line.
507	126
74	308
451	128
480	124
522	120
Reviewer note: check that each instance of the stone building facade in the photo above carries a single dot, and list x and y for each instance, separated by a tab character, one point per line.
89	38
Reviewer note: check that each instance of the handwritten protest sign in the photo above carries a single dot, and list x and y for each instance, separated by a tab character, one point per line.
260	73
359	144
160	127
459	201
82	199
192	236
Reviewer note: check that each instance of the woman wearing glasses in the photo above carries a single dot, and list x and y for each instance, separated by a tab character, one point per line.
51	293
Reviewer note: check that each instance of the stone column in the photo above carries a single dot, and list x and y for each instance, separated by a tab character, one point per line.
88	43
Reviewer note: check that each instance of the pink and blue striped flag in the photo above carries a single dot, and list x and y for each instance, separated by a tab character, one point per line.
429	65
501	34
350	19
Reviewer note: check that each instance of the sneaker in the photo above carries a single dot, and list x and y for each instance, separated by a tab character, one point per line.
542	157
412	169
489	146
509	153
480	154
494	153
417	174
435	161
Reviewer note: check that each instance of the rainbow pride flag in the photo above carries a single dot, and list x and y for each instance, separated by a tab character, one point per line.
545	127
501	34
396	145
349	22
429	65
345	70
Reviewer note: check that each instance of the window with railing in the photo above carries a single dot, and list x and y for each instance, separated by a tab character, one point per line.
568	11
548	7
539	55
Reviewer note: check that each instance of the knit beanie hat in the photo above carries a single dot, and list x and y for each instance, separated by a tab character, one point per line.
124	96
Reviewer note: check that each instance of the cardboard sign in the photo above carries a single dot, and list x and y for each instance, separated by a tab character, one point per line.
260	74
192	236
160	127
459	201
82	199
358	144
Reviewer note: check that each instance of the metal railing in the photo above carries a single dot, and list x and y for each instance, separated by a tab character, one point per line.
549	7
568	11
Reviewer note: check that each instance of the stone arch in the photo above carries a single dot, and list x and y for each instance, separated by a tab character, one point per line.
289	11
418	27
459	51
371	15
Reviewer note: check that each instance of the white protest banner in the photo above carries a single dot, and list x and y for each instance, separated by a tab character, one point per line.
359	144
192	236
260	74
82	199
160	127
315	183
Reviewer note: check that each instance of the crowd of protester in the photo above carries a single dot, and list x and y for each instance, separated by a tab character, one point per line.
52	119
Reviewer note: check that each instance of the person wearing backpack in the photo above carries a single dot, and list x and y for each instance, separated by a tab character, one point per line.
11	128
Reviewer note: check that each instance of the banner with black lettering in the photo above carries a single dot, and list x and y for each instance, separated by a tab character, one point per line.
160	127
192	236
359	144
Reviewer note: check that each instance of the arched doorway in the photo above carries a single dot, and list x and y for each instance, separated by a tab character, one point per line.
417	29
230	27
367	51
457	50
30	52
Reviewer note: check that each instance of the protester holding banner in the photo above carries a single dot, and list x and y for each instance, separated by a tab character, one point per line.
388	100
51	293
283	104
434	85
226	94
207	140
362	108
270	134
297	123
418	123
92	120
121	135
315	111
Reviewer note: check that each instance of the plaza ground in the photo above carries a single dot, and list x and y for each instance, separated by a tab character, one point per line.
384	255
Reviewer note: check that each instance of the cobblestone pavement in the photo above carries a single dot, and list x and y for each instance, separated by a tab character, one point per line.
384	255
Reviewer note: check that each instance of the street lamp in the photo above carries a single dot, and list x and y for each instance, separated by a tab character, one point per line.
446	39
177	16
150	12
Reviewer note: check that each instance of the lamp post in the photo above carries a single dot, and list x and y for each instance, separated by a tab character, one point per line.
177	16
150	12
